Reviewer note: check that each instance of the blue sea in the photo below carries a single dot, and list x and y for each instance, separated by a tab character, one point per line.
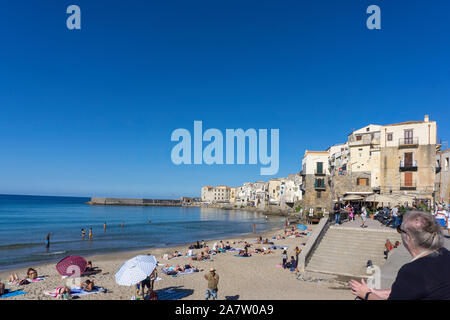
25	222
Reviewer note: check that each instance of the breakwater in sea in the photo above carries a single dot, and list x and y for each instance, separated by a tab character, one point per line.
143	202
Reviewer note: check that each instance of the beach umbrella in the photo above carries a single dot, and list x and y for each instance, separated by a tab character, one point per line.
65	267
135	270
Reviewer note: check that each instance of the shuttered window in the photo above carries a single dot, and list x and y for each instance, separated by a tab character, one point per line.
408	179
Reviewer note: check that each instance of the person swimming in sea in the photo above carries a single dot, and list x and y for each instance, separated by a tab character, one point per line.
47	241
104	226
83	234
90	234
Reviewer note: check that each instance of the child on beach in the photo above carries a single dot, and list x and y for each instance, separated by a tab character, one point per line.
284	257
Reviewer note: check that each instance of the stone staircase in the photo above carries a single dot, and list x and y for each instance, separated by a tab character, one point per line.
345	250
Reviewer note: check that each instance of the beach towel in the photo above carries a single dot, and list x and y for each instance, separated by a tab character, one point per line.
187	271
36	280
9	293
169	294
172	272
75	291
302	227
235	249
26	281
236	255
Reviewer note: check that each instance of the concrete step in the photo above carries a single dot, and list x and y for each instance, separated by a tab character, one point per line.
346	251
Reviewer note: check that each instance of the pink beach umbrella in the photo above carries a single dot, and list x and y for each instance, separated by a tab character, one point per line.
70	265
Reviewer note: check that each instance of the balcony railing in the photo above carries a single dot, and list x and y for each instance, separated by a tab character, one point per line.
408	142
408	166
411	186
319	172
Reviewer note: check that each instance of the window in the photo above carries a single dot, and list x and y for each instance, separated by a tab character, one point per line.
446	164
319	167
368	129
409	136
408	179
389	136
358	138
319	183
362	181
319	194
408	159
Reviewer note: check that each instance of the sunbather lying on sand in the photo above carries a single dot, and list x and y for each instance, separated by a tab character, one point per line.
200	257
244	253
179	268
31	275
59	292
88	285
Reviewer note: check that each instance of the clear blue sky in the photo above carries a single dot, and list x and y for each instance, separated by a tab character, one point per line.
91	112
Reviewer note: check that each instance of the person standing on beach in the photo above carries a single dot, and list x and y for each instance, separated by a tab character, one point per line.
213	281
284	256
297	252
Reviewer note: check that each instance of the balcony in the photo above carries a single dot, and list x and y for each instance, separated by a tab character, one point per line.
319	172
408	142
408	166
411	186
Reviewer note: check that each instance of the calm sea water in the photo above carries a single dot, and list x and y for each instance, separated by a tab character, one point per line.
25	222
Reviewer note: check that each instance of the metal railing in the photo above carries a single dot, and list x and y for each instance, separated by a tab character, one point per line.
412	166
319	172
411	186
408	142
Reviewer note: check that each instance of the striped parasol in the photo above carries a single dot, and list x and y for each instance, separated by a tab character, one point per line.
135	270
70	265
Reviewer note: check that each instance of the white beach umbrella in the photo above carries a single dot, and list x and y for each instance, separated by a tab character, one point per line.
135	270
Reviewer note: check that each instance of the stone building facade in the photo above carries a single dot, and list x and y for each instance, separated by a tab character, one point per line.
316	189
442	178
408	159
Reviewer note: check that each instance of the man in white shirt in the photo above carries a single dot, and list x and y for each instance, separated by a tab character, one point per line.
395	217
441	216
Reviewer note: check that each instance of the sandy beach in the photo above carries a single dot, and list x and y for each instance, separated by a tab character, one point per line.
257	277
